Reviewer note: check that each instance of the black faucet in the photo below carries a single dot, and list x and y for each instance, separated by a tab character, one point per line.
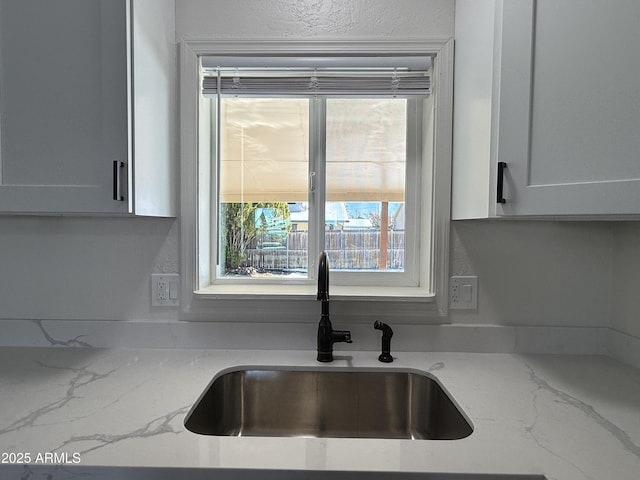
387	333
327	336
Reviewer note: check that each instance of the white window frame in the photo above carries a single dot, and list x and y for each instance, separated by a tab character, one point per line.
317	106
271	302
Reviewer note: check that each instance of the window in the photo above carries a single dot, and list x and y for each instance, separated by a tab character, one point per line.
296	154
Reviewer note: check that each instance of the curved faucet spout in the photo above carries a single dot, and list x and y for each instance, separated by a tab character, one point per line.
323	278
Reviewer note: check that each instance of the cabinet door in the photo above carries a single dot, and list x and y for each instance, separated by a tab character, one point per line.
569	107
64	103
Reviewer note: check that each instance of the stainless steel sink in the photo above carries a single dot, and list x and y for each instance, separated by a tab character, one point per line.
327	403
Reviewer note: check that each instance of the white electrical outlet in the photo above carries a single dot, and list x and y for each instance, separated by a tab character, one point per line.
165	289
463	292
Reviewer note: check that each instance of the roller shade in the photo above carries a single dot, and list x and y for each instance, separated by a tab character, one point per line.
264	154
265	150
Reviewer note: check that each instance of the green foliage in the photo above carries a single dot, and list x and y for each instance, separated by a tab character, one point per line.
241	229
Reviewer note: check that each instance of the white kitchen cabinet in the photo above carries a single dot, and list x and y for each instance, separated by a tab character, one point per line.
87	107
550	88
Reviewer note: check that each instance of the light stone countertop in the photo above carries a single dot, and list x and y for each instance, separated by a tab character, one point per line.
564	417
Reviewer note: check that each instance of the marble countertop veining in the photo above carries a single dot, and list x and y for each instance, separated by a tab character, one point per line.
567	417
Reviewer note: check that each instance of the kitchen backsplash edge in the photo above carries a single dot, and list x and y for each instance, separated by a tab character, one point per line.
414	338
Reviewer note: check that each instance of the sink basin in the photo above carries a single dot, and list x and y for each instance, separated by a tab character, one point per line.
327	403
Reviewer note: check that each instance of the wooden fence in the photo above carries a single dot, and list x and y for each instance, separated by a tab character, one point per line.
346	250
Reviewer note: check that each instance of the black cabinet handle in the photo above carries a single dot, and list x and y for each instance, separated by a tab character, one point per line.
118	178
500	195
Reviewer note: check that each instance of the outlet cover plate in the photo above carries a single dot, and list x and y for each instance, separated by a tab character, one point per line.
165	289
463	292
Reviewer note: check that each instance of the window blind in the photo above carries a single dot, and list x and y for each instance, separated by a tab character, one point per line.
339	76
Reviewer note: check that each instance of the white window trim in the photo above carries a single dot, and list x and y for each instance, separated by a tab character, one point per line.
293	303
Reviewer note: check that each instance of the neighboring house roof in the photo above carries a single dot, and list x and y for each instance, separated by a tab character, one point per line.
358	224
336	212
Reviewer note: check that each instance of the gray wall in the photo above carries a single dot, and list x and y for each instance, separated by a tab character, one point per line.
626	279
531	273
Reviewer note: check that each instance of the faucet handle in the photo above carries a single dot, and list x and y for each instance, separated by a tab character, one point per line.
342	336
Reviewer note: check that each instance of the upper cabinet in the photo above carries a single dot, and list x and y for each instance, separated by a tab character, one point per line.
87	107
547	108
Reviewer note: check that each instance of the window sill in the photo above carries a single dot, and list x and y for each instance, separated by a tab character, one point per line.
307	292
297	303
